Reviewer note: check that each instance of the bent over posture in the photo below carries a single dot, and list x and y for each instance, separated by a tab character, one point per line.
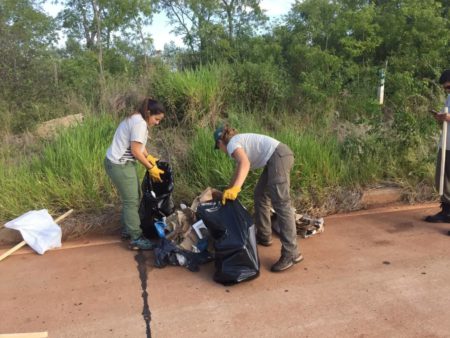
253	151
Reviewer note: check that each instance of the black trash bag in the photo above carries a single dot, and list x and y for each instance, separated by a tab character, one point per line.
166	254
156	199
234	234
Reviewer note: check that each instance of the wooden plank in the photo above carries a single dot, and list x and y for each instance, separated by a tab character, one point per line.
21	244
25	335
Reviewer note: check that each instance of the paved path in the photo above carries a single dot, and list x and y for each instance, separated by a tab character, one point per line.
383	273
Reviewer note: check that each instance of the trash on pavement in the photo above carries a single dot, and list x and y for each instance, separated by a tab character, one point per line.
168	253
307	226
234	234
185	240
38	230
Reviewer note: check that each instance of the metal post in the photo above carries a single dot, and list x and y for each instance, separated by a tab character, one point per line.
380	92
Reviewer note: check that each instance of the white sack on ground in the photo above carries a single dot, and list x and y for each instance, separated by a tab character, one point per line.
37	229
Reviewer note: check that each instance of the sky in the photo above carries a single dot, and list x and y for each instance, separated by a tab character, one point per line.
160	29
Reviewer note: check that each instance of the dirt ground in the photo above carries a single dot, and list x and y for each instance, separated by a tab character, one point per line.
379	273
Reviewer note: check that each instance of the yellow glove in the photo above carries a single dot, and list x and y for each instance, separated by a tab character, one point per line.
152	159
156	173
230	194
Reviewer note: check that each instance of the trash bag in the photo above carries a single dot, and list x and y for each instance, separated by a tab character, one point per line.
233	231
38	230
167	253
156	201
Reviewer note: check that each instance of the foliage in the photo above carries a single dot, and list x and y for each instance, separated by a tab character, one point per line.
300	80
258	86
27	63
192	96
67	172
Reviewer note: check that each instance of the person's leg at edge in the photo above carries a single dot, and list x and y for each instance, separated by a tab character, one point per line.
279	168
444	214
262	211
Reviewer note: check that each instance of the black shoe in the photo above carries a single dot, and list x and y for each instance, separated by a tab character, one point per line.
286	262
264	242
440	217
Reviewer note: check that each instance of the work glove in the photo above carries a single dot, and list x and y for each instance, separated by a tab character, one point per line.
230	194
155	173
152	159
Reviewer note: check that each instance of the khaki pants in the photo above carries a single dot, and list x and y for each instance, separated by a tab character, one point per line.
445	198
125	179
273	186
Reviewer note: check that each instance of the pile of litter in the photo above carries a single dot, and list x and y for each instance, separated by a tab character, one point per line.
307	226
206	231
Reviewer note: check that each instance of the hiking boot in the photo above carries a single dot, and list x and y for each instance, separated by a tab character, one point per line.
442	216
285	262
141	243
264	242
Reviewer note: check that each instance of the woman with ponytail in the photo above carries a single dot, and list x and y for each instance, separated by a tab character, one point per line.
127	148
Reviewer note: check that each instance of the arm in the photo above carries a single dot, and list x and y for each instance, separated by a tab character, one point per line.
136	150
242	167
442	117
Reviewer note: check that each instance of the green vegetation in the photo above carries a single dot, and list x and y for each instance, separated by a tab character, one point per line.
309	80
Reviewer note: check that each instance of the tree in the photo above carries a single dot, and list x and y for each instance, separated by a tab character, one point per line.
98	22
26	67
415	42
211	28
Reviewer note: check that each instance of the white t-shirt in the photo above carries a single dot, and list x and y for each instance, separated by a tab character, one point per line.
447	104
133	128
259	148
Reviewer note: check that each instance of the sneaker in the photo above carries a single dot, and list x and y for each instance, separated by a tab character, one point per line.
264	242
141	243
124	235
286	262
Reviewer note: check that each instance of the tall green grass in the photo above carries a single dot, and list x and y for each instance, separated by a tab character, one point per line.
192	96
67	173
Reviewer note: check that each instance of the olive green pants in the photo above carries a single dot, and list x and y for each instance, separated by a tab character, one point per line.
273	189
125	179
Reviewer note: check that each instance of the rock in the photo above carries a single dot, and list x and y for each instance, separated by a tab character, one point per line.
49	128
380	196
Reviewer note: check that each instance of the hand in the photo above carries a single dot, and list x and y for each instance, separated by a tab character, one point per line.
230	194
152	159
156	173
442	117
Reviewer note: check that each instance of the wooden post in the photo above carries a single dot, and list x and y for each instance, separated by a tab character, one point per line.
25	335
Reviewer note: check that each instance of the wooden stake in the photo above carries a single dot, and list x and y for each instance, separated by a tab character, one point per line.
25	335
21	244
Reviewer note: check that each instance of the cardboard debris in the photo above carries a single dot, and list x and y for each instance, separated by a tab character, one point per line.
307	226
209	194
180	224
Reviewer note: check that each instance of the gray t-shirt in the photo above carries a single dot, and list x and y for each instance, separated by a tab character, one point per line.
259	148
133	128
